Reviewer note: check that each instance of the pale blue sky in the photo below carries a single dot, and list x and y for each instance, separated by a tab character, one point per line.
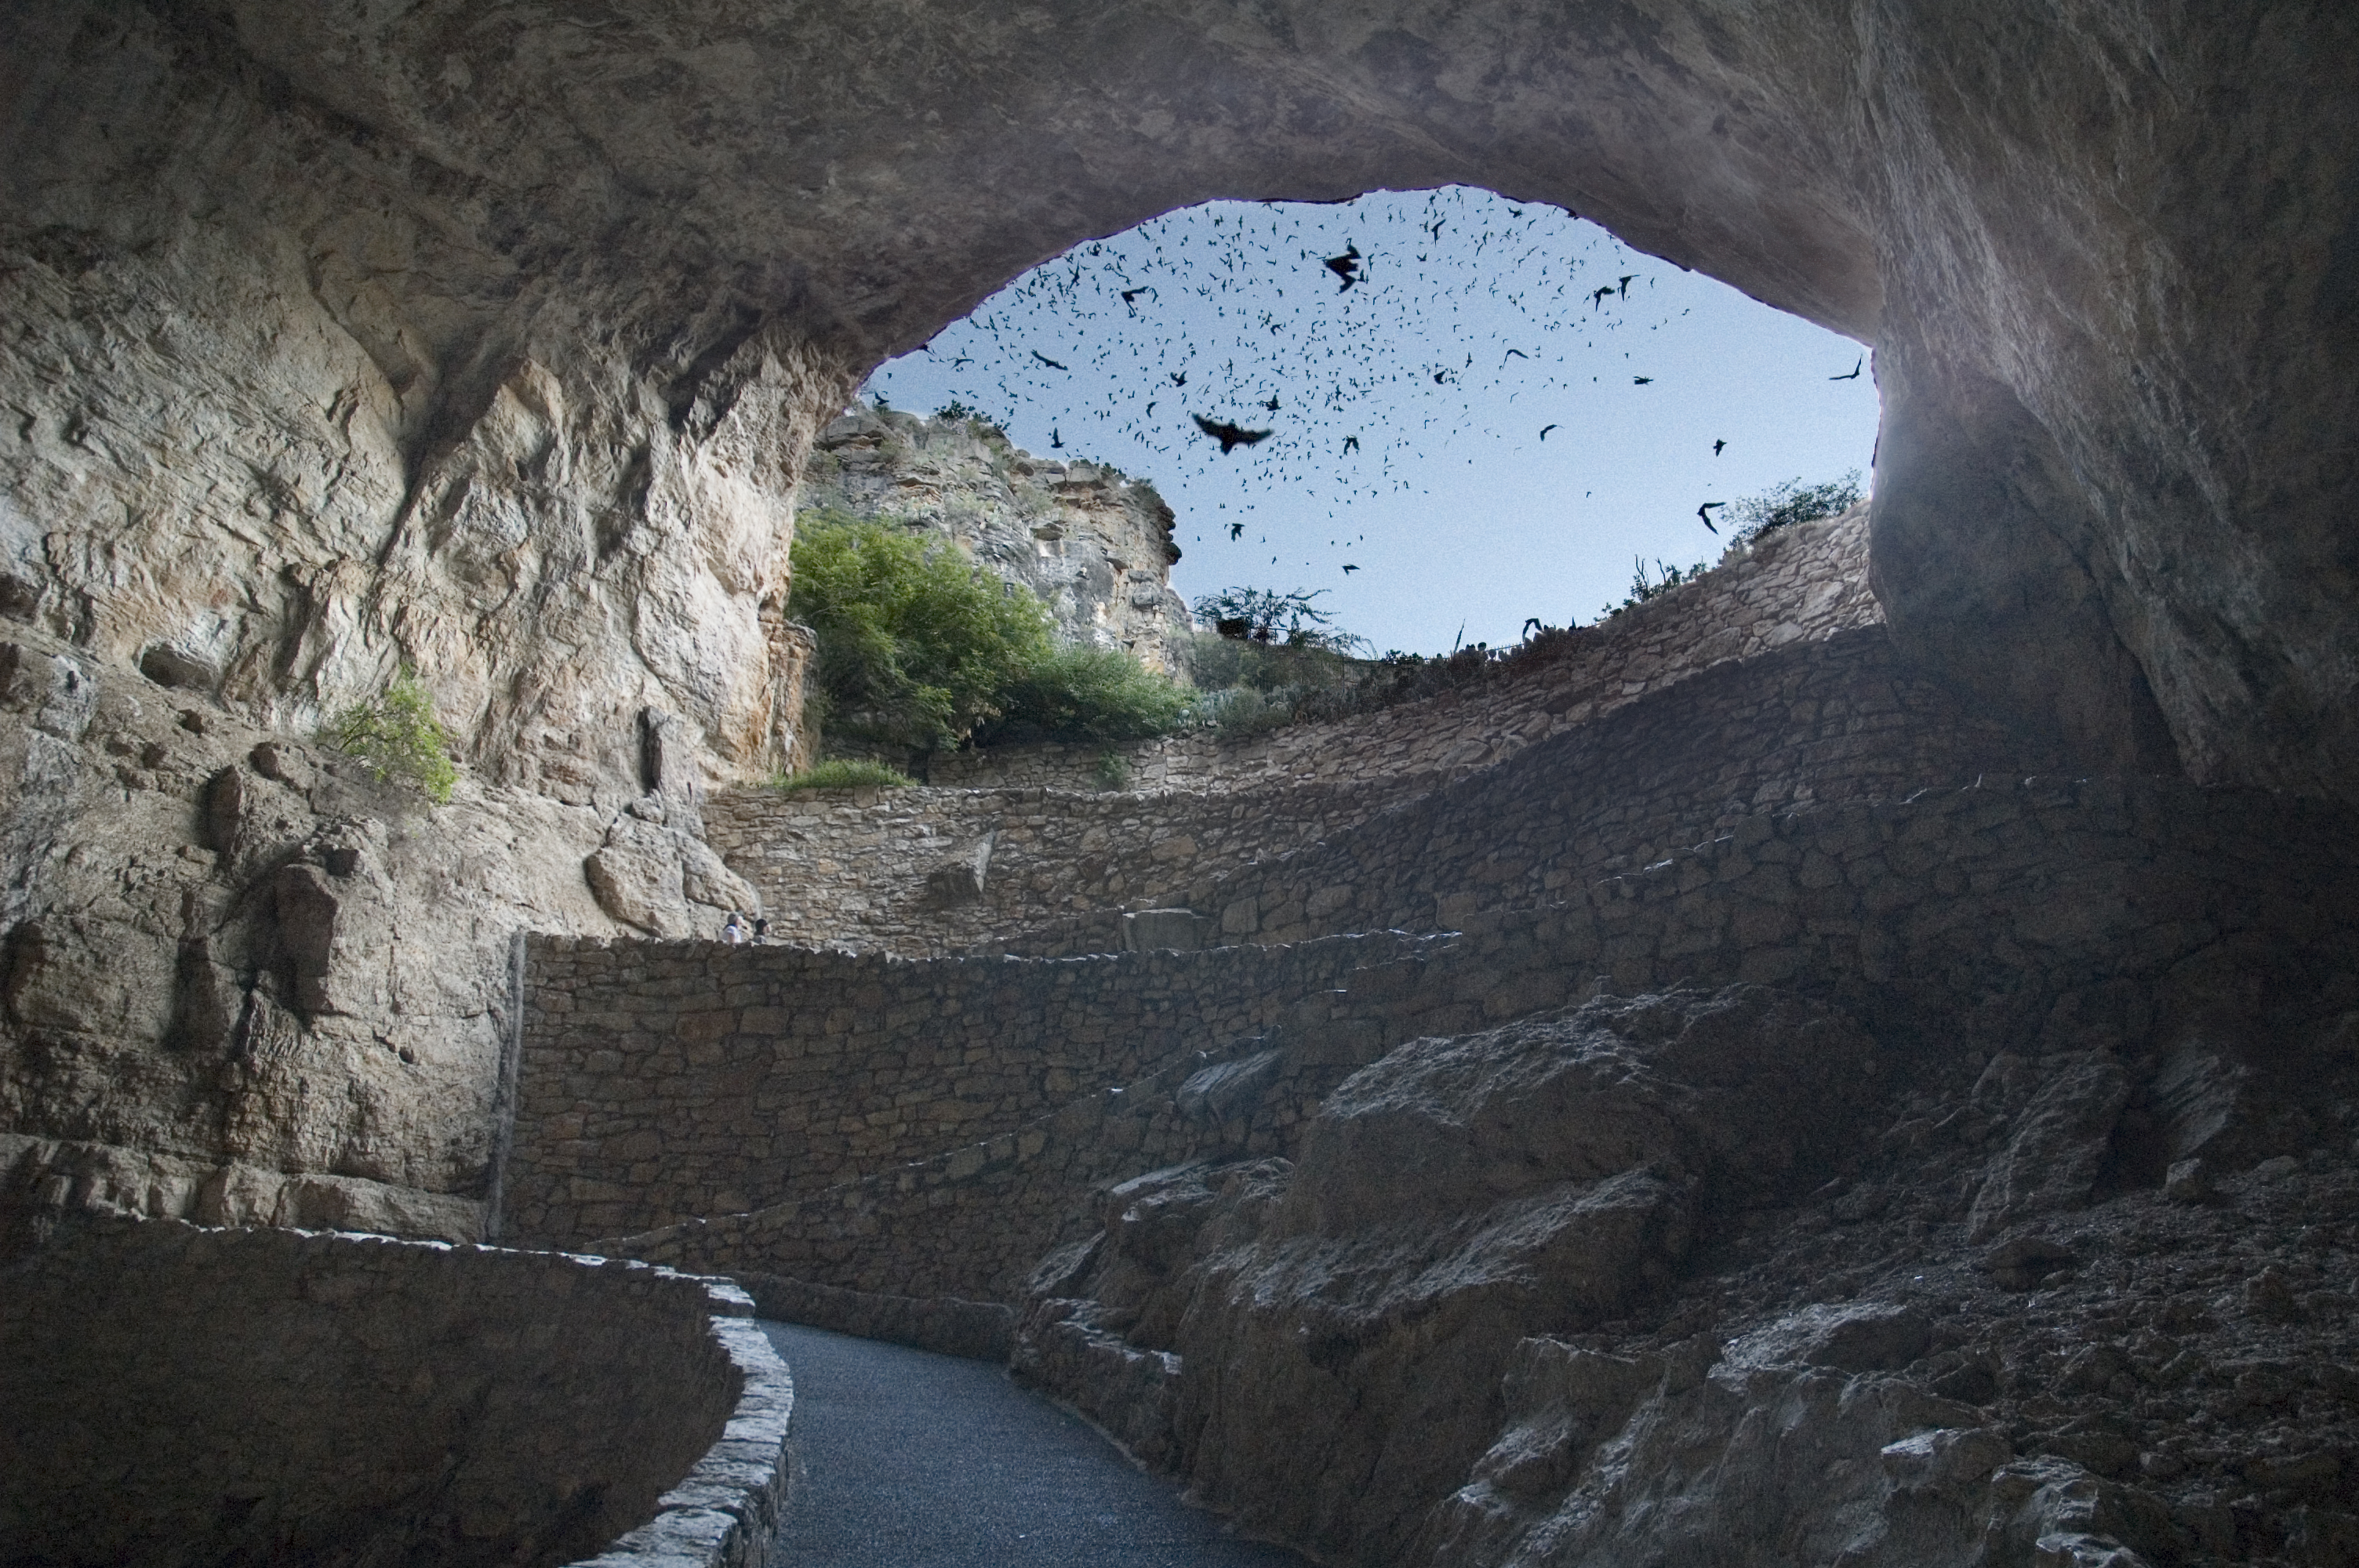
1455	510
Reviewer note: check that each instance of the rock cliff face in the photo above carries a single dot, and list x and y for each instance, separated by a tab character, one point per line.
1095	546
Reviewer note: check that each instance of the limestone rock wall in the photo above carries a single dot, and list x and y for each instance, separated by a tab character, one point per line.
1095	546
242	981
499	349
165	1384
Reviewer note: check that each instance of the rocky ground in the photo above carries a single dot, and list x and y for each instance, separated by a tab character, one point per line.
1711	1278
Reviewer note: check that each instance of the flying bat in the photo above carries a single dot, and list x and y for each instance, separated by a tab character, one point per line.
1345	266
1855	371
1642	380
1544	430
1350	568
1045	360
1231	437
1704	511
1716	445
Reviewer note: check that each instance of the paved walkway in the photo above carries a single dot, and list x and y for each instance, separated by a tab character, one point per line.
905	1459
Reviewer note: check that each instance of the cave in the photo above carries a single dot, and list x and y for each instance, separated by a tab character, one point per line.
490	347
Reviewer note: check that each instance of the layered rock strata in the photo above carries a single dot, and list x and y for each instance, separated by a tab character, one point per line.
1092	543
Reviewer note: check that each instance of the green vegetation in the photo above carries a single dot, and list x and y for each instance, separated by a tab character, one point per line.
400	739
1792	501
1087	693
1789	501
846	773
920	648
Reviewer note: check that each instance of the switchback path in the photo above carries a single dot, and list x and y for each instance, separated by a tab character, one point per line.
905	1459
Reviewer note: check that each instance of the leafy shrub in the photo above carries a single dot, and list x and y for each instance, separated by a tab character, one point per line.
398	738
1265	616
1112	772
920	648
1087	693
846	773
1642	589
917	645
1792	501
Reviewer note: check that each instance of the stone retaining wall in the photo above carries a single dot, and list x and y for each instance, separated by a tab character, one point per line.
1797	584
661	1080
856	868
1831	720
179	1395
1835	719
2033	916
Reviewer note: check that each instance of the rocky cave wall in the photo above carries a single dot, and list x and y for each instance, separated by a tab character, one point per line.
342	338
345	339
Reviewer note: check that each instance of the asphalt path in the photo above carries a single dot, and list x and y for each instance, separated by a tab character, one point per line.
913	1460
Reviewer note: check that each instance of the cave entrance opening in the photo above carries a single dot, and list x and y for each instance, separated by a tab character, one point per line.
1452	414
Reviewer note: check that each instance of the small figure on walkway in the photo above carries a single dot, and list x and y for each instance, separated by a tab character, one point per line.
761	929
733	933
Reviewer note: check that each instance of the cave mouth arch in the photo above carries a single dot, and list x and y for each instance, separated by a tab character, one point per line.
1408	409
616	264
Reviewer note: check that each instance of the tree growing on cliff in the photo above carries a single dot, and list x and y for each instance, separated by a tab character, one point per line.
398	738
919	647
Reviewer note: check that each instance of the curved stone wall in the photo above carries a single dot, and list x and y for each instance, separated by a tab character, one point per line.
179	1395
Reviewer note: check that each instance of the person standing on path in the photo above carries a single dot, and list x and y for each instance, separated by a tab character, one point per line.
733	933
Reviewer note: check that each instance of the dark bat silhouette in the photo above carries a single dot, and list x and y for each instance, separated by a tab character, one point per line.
1130	293
1231	437
1532	623
1642	380
1045	360
1626	284
1599	296
1855	371
1716	445
1345	266
1350	568
1350	443
1055	439
1178	378
1704	512
1515	354
1236	532
1272	404
1544	430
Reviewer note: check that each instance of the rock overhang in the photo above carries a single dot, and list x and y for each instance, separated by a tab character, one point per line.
2096	258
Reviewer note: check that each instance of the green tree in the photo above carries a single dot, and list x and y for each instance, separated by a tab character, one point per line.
917	645
1792	501
399	738
1089	694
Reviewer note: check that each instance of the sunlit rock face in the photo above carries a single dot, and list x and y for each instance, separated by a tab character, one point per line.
341	336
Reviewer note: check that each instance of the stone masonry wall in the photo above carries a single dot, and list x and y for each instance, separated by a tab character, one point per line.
852	868
659	1081
1829	720
1797	584
2034	915
181	1395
